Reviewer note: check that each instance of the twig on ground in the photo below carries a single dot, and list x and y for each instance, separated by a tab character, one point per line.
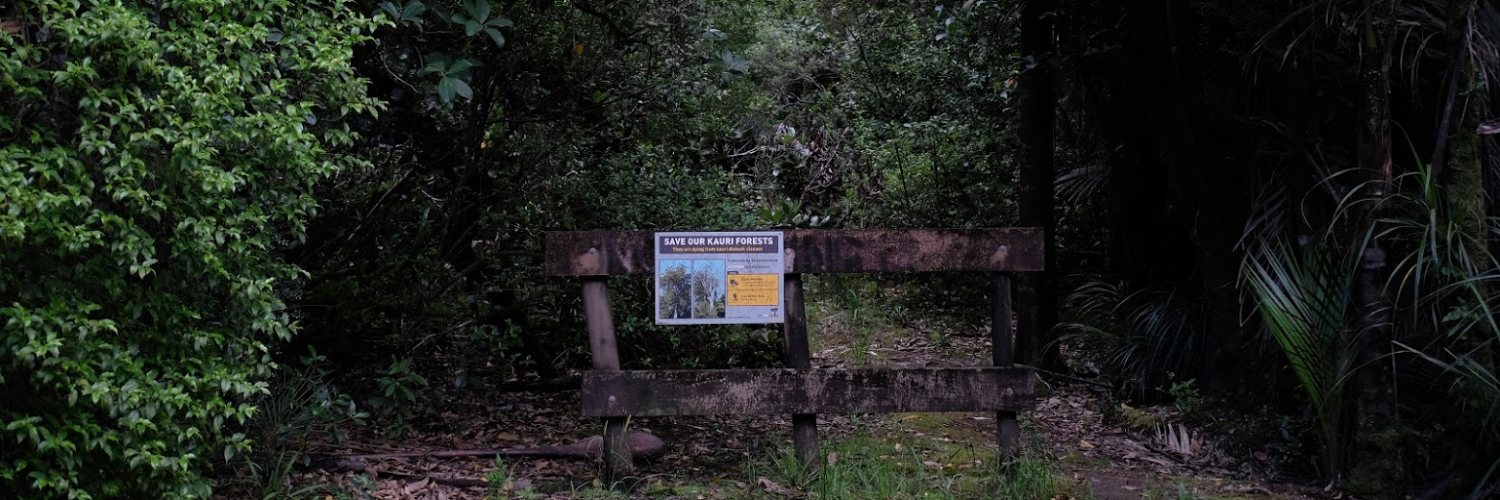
1095	383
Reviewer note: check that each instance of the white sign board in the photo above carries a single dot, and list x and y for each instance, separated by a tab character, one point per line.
719	278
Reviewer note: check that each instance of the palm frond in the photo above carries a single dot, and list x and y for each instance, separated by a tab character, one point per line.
1083	182
1153	336
1303	298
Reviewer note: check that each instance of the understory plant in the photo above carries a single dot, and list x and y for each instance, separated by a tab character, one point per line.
1444	278
1302	295
154	157
397	401
1153	339
1433	297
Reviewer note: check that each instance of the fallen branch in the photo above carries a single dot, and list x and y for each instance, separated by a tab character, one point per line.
1072	378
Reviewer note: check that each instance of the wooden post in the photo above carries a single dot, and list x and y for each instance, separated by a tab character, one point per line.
799	356
1002	338
606	356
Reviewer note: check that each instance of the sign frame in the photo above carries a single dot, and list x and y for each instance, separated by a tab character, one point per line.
744	273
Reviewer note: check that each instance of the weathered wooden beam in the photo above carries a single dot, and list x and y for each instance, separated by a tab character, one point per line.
1003	348
606	357
652	393
603	253
799	356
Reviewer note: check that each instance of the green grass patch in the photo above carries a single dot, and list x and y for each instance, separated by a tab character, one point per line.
912	469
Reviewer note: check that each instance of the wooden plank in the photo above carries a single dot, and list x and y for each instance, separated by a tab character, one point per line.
602	253
652	393
606	357
606	354
799	356
1003	350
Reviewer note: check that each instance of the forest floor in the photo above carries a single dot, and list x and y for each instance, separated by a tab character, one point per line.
1082	443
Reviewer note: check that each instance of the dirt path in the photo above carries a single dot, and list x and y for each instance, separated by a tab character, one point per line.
1100	448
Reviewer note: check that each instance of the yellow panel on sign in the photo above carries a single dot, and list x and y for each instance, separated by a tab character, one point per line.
753	290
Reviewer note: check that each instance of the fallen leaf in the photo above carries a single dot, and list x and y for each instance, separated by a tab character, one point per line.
416	486
1086	445
833	458
775	489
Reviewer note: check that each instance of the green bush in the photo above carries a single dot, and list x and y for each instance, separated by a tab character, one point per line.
155	156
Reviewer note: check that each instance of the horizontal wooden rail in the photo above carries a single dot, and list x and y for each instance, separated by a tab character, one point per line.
603	253
652	393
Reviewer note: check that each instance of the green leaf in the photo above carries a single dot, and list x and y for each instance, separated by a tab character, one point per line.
412	11
462	64
501	22
482	10
445	89
472	28
389	8
434	66
462	88
496	36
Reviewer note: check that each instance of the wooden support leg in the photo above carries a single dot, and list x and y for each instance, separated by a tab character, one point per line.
606	355
1002	338
799	356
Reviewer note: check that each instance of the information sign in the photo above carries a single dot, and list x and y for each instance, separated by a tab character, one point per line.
719	278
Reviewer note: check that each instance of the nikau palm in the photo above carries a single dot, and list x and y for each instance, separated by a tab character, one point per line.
1303	298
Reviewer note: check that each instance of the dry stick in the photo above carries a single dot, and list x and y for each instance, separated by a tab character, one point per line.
1073	378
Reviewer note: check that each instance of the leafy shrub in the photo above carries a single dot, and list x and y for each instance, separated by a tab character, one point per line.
1149	336
1185	395
1444	283
397	399
154	156
302	404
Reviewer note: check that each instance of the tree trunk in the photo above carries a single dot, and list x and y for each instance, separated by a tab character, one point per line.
1372	307
1039	295
1463	171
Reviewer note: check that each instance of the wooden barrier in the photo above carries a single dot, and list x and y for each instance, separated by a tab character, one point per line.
799	390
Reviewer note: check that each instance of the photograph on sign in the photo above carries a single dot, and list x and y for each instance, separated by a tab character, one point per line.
719	278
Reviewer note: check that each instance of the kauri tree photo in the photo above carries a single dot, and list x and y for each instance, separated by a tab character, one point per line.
674	289
708	289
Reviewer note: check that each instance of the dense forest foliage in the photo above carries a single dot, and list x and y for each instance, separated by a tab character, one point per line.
207	205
